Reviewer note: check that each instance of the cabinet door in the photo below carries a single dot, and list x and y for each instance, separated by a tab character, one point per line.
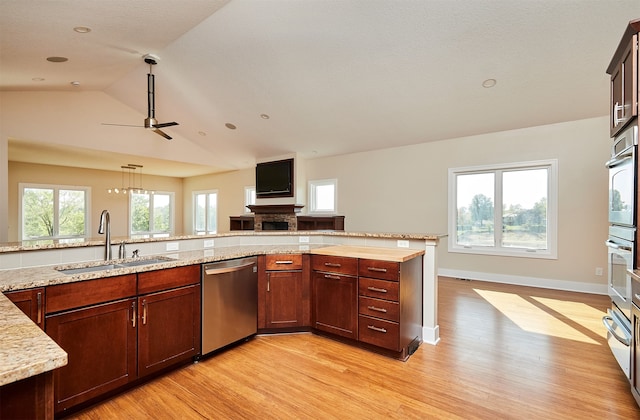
31	302
335	304
284	299
101	345
168	328
624	84
635	352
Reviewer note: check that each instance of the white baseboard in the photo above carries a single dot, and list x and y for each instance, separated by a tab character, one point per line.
571	286
431	335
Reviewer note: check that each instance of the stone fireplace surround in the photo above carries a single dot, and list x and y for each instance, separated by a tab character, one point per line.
275	216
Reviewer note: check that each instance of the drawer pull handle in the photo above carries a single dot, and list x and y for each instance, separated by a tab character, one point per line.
329	276
382	330
39	297
328	264
284	262
134	315
144	312
373	308
377	289
380	270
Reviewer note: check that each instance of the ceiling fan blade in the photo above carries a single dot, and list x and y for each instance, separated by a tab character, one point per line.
162	133
123	125
169	124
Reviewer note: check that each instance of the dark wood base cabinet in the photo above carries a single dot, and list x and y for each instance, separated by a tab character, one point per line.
28	399
117	331
635	351
376	303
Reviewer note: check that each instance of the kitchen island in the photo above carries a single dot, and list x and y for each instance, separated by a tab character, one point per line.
228	246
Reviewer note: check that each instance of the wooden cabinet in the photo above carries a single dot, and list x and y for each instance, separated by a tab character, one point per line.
284	292
376	302
169	328
320	222
119	329
635	338
241	222
624	80
30	398
31	302
335	295
94	322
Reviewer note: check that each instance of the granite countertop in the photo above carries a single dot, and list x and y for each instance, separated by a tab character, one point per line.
25	350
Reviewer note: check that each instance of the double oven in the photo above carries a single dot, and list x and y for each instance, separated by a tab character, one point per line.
621	243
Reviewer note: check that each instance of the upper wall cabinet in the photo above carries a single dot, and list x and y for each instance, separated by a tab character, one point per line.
624	79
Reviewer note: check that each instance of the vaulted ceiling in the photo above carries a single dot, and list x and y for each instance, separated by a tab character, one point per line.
333	76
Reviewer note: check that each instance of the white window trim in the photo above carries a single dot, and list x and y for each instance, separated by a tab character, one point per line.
312	196
552	211
153	234
193	202
87	215
248	193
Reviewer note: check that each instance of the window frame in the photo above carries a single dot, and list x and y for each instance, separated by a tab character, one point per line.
56	188
194	196
151	233
497	249
249	198
313	208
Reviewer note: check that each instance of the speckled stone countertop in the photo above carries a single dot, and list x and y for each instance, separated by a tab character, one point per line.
25	349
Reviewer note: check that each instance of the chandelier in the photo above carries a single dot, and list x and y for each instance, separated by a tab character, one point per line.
132	173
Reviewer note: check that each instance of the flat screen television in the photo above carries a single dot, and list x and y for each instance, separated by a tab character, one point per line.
274	179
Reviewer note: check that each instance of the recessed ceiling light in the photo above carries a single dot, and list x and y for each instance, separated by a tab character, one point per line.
230	126
38	79
82	29
75	83
57	59
489	83
202	133
265	116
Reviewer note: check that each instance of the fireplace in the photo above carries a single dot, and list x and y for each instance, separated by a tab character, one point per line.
275	216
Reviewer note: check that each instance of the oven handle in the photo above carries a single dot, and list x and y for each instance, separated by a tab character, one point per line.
609	243
610	317
619	159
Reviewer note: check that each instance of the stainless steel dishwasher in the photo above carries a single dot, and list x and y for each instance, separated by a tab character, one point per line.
229	302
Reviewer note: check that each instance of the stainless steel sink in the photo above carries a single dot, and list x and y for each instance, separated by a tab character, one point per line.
112	266
80	270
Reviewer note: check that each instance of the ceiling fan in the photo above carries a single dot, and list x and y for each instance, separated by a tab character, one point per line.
150	122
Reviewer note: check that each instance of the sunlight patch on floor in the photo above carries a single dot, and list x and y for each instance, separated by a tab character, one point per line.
550	317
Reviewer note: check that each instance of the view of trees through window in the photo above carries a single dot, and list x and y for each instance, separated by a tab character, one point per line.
51	212
151	213
522	218
205	213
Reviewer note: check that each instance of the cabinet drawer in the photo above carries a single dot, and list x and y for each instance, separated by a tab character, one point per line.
378	269
379	332
89	292
155	281
342	265
381	289
379	308
282	262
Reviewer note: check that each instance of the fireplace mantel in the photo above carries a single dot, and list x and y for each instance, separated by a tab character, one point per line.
275	208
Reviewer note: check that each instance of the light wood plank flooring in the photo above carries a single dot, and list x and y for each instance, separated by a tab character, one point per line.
506	352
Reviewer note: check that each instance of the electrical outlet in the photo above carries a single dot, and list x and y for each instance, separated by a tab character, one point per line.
303	247
598	271
208	243
173	246
304	239
403	243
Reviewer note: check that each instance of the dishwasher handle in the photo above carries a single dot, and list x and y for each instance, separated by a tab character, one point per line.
209	270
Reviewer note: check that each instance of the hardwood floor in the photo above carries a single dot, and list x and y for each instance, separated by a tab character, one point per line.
506	352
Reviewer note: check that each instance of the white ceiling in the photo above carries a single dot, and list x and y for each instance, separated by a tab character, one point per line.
335	76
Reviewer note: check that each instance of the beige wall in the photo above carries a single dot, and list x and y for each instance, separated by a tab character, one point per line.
100	199
405	190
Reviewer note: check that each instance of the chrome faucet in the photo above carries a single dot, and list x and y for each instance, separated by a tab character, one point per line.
105	223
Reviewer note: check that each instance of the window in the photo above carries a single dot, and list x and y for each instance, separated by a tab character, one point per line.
504	209
205	207
54	212
323	196
249	198
151	214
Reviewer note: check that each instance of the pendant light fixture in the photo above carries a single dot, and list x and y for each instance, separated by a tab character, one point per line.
132	173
